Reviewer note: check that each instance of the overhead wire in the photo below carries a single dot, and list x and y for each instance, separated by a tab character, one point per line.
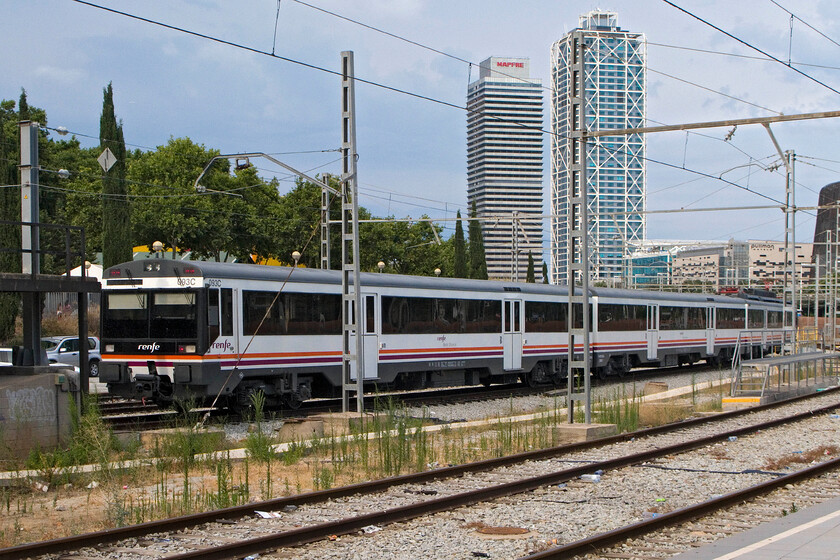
376	84
735	55
805	23
746	44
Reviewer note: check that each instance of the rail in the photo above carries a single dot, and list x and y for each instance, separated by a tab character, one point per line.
307	534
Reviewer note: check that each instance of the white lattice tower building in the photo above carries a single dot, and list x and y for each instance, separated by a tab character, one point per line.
615	78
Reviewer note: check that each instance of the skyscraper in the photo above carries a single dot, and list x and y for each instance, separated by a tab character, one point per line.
614	98
504	164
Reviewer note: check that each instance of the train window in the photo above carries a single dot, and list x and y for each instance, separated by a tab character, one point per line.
370	314
681	318
212	314
728	318
439	316
261	314
173	315
755	318
313	314
545	316
774	319
696	317
483	316
517	306
227	312
621	317
672	318
125	315
298	314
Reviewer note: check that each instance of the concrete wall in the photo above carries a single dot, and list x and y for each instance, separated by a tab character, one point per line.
35	408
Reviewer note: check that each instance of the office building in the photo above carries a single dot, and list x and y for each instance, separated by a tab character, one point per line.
505	165
614	98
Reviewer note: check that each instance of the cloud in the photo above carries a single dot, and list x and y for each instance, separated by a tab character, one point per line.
59	76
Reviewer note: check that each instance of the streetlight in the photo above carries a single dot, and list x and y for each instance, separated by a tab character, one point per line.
437	272
157	247
381	266
296	257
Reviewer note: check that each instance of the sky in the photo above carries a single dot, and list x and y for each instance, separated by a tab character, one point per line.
412	142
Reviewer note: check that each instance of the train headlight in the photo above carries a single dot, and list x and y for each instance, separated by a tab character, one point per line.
109	347
186	348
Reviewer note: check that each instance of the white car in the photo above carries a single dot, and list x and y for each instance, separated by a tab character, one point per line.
65	350
5	357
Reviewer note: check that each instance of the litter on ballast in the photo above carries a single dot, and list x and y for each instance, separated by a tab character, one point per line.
269	514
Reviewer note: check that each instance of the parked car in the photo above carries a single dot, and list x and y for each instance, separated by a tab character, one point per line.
65	350
5	357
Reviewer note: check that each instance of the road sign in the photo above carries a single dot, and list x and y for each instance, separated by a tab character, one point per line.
107	159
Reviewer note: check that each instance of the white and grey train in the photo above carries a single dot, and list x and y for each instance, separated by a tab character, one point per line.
175	330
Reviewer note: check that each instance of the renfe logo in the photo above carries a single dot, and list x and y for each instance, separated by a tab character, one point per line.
153	347
511	64
224	345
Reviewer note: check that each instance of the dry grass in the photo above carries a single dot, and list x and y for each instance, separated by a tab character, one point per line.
659	413
58	325
804	458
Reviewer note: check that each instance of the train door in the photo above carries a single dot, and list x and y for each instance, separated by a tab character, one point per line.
221	321
512	333
371	330
652	332
710	331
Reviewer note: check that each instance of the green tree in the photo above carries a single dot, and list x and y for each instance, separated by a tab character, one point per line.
23	107
235	217
9	210
478	260
545	273
116	223
529	277
82	191
460	248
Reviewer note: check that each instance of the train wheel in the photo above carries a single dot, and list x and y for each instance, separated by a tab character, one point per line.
292	400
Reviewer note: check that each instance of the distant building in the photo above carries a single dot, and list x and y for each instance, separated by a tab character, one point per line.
505	164
615	83
715	266
767	263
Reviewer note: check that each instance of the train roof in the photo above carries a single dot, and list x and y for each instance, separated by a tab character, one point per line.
169	267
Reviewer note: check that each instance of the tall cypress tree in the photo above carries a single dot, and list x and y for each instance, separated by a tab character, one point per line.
545	273
10	261
116	228
460	248
23	106
478	260
529	277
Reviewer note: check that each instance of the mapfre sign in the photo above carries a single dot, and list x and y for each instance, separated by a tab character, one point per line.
503	64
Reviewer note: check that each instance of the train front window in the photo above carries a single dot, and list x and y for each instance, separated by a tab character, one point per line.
173	315
126	315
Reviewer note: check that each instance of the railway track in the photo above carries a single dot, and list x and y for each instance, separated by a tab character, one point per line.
704	523
122	415
235	532
135	415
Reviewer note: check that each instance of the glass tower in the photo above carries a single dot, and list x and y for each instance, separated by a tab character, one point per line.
614	98
505	165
